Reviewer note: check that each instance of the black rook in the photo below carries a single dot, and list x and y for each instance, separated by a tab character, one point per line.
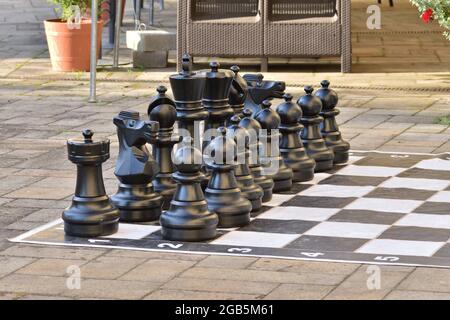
91	213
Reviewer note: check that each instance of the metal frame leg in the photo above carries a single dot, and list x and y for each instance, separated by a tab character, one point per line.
151	13
93	53
117	35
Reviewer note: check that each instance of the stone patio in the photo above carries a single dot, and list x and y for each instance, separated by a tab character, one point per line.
392	102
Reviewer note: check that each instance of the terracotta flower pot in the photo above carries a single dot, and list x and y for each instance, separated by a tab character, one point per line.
69	48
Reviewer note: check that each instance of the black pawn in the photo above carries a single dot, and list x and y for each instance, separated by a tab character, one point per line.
187	88
250	190
162	110
311	135
188	218
135	168
222	194
271	159
91	213
253	128
215	100
329	127
238	92
291	147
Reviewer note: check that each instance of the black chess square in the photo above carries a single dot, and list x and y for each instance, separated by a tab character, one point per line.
434	208
416	234
319	202
400	193
279	226
367	216
443	252
425	174
319	243
391	160
347	180
296	188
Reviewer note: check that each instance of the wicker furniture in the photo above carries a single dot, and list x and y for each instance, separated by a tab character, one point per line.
265	28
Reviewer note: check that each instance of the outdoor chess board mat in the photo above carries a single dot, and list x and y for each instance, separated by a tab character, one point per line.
381	208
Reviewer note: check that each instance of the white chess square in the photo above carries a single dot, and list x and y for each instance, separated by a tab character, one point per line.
298	213
442	196
401	247
133	231
353	159
434	164
347	230
256	239
278	199
327	190
415	183
370	171
438	221
384	205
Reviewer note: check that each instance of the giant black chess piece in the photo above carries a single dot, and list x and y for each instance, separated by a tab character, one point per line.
311	135
162	110
215	100
253	128
91	213
250	190
135	169
222	194
291	147
188	218
187	88
260	90
271	159
238	92
329	127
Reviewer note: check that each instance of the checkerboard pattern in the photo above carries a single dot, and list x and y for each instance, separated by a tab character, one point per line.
379	208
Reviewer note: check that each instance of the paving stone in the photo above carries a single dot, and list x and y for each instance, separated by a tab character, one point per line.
226	262
359	284
23	225
154	255
165	294
52	252
11	264
299	266
9	296
299	292
41	297
109	267
427	128
225	286
43	215
106	289
157	270
33	284
37	203
263	276
40	193
417	295
427	279
50	267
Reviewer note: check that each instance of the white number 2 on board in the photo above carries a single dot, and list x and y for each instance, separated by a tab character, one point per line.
170	245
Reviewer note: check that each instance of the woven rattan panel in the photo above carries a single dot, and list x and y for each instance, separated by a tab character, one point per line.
302	39
225	39
222	9
299	9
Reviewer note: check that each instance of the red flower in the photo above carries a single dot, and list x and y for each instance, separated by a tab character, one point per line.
427	15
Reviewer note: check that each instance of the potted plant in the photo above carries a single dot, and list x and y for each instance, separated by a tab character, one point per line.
435	10
68	37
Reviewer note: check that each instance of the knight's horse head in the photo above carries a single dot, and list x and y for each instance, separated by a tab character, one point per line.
134	132
260	90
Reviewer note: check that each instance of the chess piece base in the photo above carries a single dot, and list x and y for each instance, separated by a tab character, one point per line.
251	191
90	217
188	221
137	203
264	182
318	151
236	212
322	166
282	179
